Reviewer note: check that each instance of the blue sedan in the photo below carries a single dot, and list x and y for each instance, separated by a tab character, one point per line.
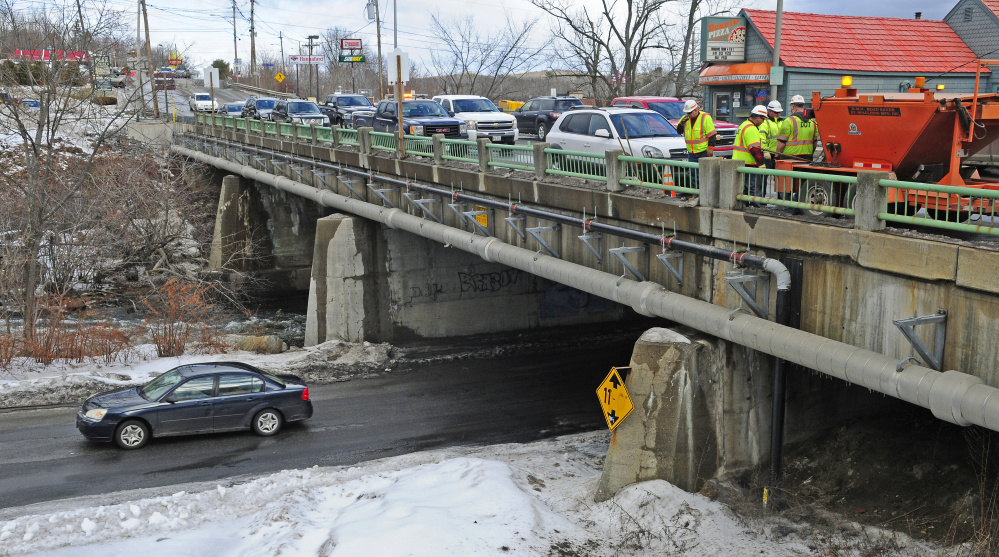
196	398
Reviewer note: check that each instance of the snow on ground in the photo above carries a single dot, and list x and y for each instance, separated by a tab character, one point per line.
516	499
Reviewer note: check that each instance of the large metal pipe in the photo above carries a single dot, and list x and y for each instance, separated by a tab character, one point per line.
953	396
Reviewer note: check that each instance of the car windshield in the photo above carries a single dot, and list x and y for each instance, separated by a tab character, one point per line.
353	100
265	105
159	386
672	110
303	108
474	105
202	97
642	124
567	103
423	109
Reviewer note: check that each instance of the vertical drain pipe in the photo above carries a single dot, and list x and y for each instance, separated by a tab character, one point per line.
783	316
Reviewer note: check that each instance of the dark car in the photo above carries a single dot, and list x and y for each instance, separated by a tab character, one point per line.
299	111
419	117
259	107
196	398
339	106
538	114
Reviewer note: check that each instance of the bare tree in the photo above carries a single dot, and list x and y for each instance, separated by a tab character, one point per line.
472	62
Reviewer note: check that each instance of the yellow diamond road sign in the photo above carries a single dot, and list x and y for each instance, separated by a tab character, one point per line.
279	77
614	399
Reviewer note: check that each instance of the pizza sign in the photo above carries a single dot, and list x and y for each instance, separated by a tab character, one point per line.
723	39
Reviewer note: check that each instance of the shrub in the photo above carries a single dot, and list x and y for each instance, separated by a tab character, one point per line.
179	311
105	101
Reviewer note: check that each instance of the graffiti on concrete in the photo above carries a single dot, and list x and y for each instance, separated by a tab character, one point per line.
489	282
430	291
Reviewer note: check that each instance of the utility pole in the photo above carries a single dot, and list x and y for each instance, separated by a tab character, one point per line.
776	63
138	45
253	47
297	66
235	49
310	37
149	58
378	31
281	38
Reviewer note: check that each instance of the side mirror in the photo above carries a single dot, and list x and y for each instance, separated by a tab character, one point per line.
450	112
602	133
170	398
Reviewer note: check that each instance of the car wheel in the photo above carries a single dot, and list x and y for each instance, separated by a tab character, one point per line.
542	131
131	435
267	422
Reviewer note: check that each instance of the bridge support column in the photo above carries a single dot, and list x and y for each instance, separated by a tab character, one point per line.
315	321
227	239
701	410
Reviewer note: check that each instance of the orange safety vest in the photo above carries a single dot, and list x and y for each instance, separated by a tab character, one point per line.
696	133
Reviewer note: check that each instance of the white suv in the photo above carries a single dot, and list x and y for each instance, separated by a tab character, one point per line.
638	132
203	102
481	116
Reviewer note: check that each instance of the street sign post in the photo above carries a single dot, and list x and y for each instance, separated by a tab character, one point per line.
279	77
614	399
300	59
102	73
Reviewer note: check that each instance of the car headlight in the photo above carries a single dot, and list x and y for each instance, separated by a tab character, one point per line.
470	124
514	123
97	414
462	128
652	152
415	130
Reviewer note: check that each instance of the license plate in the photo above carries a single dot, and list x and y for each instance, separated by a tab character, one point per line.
494	138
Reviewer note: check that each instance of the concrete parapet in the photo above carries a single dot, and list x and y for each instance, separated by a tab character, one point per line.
438	148
483	148
614	171
364	139
709	174
729	184
540	160
870	200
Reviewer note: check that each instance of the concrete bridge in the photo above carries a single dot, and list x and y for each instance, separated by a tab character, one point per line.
451	240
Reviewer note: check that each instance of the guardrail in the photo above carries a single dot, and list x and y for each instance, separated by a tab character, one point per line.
961	209
383	141
520	157
419	145
460	150
576	164
260	91
660	174
346	136
809	192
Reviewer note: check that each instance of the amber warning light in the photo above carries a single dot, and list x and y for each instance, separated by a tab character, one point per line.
846	81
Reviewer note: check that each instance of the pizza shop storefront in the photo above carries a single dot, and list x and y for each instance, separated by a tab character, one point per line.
732	90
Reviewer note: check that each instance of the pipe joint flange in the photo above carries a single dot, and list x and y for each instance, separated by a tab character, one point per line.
484	253
947	395
648	289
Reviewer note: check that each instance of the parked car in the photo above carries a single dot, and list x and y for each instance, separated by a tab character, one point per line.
31	103
203	102
419	117
5	98
299	111
182	72
339	106
672	109
539	114
233	109
259	107
196	398
481	117
636	131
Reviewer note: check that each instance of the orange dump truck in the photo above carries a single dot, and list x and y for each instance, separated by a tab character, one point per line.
919	136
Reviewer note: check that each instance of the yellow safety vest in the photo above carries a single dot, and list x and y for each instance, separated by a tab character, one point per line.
697	132
746	138
769	130
798	135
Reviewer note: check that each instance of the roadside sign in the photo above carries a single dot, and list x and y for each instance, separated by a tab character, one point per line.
350	44
483	215
267	65
352	58
614	399
306	59
279	77
102	65
102	84
398	60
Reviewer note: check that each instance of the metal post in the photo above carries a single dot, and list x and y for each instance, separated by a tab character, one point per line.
149	59
776	64
378	31
398	100
235	49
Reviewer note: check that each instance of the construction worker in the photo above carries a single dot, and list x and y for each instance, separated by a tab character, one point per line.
698	131
769	130
748	149
798	134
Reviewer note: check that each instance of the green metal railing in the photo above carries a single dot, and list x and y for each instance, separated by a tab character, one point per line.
199	118
346	136
270	128
520	157
230	122
576	164
303	131
460	150
383	141
957	208
660	174
419	145
286	129
808	192
324	134
254	125
240	123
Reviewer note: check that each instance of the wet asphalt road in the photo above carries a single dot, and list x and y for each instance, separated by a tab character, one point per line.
475	402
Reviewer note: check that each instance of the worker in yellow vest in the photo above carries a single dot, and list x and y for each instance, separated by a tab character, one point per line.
749	150
798	133
698	131
769	130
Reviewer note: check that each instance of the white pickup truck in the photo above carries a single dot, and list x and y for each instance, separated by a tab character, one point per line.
481	116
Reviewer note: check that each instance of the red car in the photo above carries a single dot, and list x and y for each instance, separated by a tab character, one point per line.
672	109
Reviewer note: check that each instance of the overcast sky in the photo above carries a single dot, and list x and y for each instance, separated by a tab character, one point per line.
203	28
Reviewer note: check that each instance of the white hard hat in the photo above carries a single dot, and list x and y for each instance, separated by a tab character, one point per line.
797	99
759	110
690	106
775	106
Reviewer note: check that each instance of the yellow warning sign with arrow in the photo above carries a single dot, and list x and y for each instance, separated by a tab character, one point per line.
614	399
279	77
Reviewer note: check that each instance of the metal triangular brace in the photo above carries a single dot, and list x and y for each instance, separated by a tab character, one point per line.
322	178
619	253
349	184
675	270
459	209
512	221
737	279
471	218
596	251
422	205
907	326
536	232
381	195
